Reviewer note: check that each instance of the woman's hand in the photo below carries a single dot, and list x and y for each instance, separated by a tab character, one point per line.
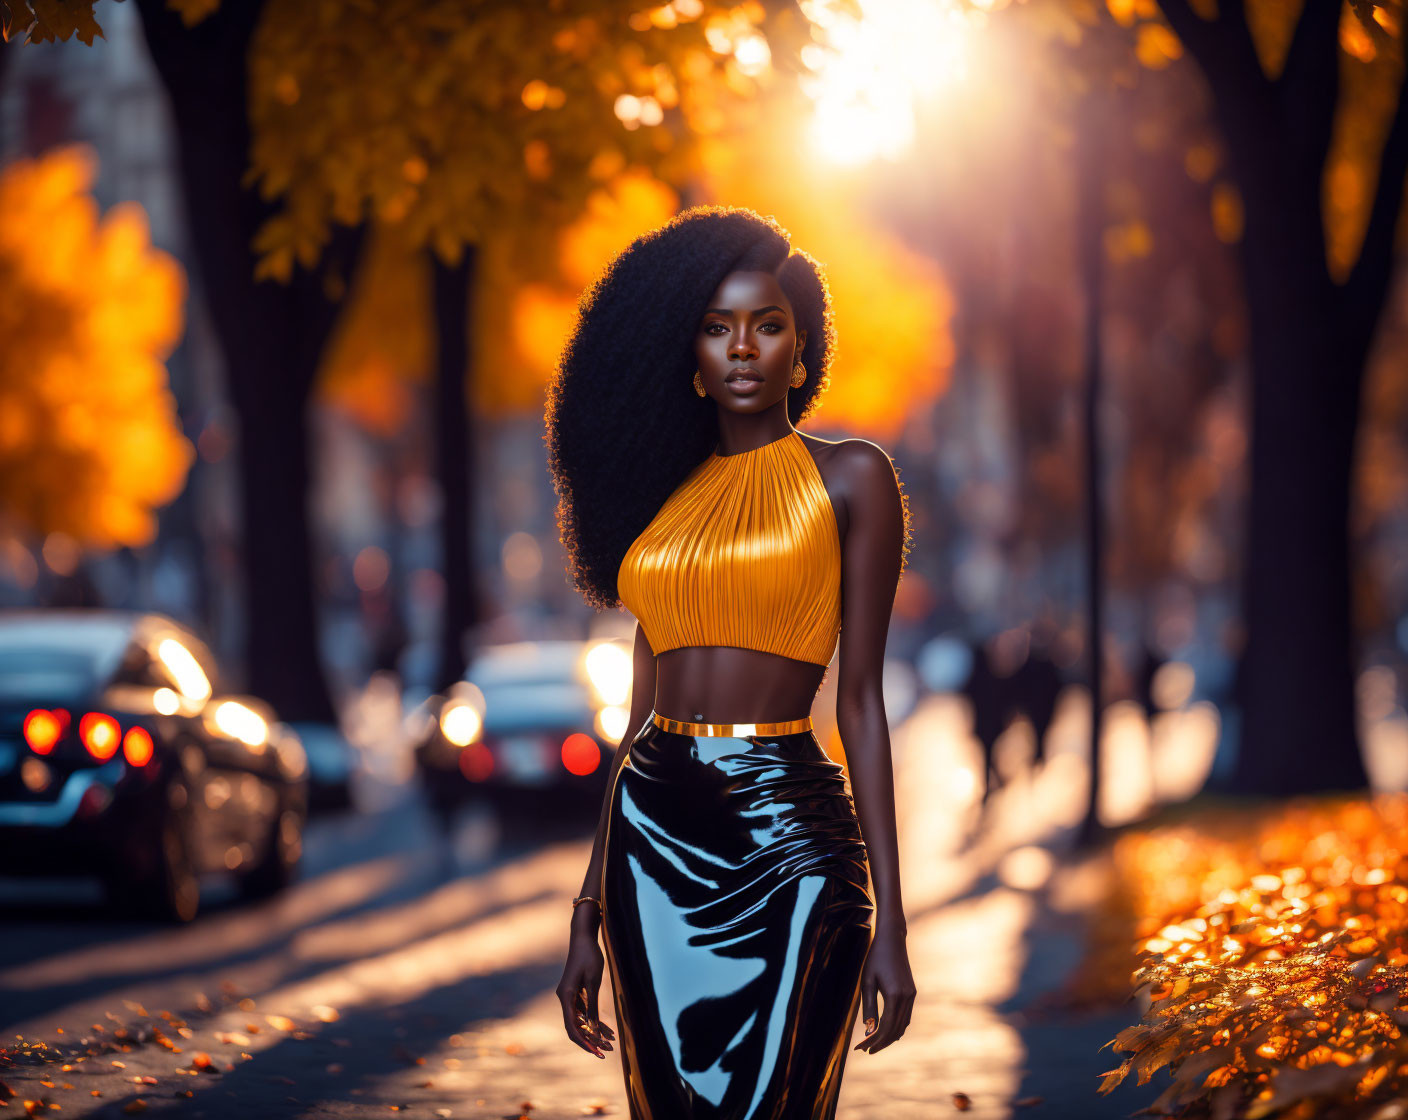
886	972
577	992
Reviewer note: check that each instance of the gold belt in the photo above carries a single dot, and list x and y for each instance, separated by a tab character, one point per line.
732	730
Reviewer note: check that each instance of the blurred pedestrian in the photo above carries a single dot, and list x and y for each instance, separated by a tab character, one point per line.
1037	685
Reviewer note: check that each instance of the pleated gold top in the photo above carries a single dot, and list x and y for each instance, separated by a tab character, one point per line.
745	553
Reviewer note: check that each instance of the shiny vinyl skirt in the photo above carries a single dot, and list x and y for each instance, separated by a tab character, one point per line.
736	917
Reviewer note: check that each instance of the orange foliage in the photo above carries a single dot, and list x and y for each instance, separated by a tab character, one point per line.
1275	958
525	300
390	112
892	306
382	346
90	444
538	310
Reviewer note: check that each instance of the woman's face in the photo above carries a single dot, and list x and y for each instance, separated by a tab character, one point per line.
747	342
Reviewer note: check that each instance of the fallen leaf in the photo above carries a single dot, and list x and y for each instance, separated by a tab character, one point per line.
138	1105
962	1102
232	1038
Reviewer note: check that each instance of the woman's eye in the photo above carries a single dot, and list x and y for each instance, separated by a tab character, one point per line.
710	328
775	327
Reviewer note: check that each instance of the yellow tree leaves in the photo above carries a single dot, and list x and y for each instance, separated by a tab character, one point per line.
1275	959
89	440
527	315
382	346
524	304
892	307
445	119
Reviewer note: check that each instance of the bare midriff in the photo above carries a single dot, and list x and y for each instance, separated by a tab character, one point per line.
725	684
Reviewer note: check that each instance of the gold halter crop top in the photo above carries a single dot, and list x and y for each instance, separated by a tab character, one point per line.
744	553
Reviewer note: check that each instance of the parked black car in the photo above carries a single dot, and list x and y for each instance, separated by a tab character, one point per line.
118	758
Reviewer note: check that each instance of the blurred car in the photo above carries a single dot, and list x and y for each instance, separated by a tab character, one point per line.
532	715
331	761
118	759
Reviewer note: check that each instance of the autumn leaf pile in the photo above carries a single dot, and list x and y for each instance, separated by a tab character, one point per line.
1273	947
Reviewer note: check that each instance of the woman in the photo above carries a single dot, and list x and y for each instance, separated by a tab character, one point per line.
730	871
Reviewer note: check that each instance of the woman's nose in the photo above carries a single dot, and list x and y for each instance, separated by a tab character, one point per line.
743	349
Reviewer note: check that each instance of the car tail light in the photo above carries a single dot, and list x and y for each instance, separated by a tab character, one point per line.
476	762
100	734
42	729
137	746
580	754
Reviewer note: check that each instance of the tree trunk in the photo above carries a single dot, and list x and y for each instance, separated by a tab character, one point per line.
1310	340
271	334
454	458
1299	730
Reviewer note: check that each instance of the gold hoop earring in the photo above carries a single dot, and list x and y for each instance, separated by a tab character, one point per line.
799	374
699	384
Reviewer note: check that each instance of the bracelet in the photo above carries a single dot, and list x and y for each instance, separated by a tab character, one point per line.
585	898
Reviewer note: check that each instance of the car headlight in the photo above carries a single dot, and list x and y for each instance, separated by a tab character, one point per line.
609	669
460	723
237	721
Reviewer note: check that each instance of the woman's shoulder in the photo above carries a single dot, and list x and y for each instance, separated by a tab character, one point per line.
860	460
855	472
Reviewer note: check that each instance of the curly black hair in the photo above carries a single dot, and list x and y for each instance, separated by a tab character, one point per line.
624	425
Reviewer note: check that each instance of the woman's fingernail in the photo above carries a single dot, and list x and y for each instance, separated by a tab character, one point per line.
869	1025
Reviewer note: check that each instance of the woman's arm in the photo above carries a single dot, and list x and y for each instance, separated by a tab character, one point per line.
582	975
871	557
642	703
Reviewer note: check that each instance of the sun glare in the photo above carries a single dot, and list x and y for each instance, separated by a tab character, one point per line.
876	62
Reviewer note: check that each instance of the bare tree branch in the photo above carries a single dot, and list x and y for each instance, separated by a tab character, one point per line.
1222	47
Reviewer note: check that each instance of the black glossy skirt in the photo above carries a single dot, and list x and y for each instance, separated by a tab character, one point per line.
736	915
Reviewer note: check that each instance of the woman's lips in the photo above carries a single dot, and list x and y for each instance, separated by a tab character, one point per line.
744	386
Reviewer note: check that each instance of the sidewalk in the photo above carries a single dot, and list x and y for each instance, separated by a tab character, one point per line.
436	998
